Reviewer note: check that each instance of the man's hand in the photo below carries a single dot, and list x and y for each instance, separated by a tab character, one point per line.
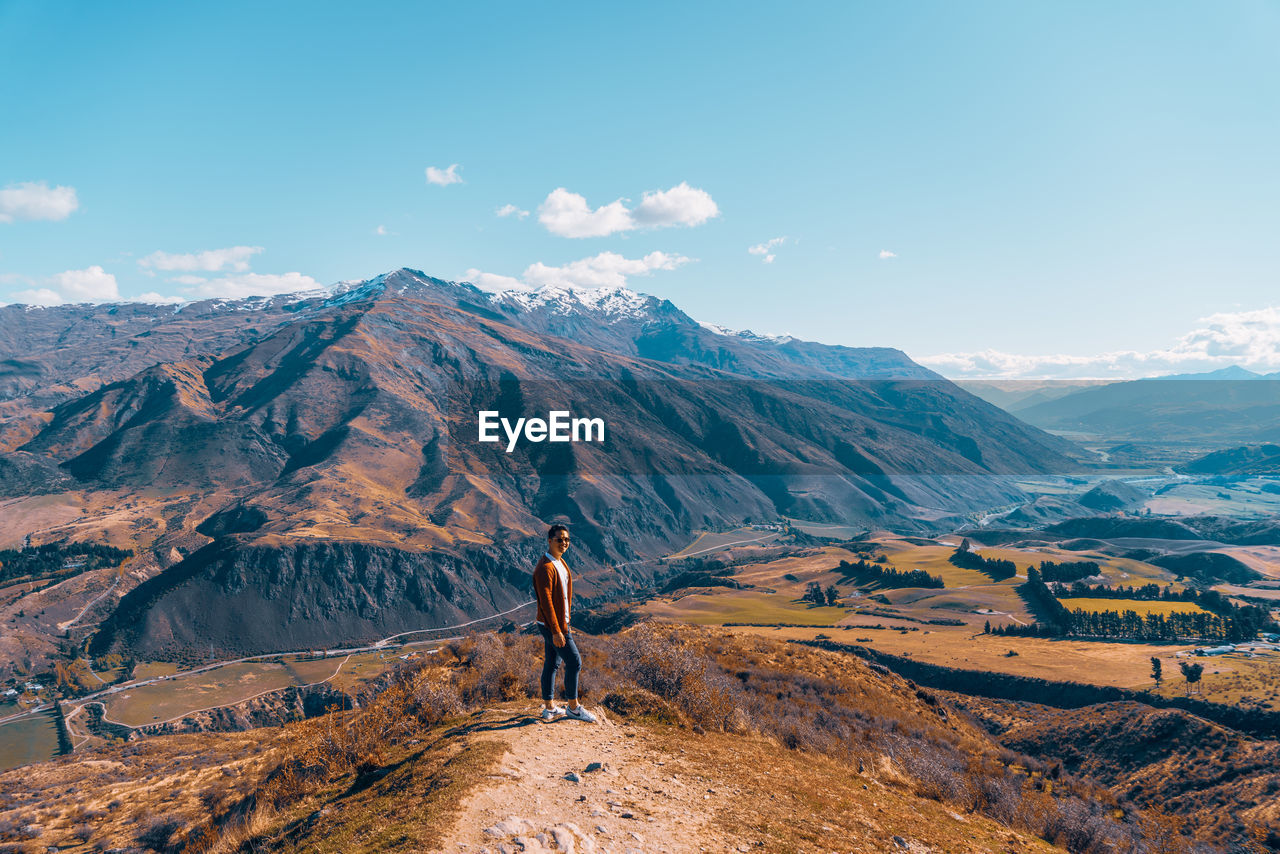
558	640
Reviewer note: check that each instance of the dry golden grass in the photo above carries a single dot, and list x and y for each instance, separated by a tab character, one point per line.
119	790
1236	678
1229	679
1125	665
788	801
1136	605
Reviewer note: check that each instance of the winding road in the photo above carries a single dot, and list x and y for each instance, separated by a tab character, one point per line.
80	701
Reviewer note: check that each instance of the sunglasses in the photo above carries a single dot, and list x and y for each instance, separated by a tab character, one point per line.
562	539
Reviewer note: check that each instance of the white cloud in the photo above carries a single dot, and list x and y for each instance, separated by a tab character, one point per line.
158	299
766	249
608	269
681	205
37	200
443	177
492	281
567	214
233	258
380	230
252	284
93	284
37	296
885	255
1250	339
511	210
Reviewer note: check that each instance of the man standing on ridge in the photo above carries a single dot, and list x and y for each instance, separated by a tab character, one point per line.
553	588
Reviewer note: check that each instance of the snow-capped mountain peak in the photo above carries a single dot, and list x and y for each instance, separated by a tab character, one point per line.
615	301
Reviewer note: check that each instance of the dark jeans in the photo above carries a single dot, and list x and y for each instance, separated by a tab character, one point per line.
572	664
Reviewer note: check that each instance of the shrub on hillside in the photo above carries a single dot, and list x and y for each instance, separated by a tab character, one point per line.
659	661
160	833
605	620
436	699
498	667
639	703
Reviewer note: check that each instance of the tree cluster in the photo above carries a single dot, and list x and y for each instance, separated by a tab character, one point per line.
1191	672
58	559
1237	624
1068	571
815	593
997	568
887	576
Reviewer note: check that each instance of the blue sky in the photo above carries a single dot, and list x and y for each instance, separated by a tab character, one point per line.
1014	189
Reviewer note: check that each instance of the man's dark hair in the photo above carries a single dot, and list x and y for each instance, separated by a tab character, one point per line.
555	529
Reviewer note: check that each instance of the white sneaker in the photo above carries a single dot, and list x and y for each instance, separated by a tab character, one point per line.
581	714
552	713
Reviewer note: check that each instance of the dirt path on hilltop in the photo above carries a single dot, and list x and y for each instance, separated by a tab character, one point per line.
644	798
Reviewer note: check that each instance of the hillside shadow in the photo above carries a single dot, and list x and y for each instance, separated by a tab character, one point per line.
512	722
1035	609
371	776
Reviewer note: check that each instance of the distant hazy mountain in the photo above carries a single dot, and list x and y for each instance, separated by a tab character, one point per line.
1233	372
1247	460
1112	495
1016	395
311	464
1230	406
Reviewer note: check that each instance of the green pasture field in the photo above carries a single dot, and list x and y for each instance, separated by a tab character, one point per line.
30	739
744	606
826	529
152	669
234	683
709	543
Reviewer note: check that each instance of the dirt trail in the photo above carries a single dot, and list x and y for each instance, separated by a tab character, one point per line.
643	799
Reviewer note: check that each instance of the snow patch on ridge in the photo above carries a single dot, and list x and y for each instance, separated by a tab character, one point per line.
747	334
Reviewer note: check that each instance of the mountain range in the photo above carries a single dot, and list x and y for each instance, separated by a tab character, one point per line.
1216	409
308	463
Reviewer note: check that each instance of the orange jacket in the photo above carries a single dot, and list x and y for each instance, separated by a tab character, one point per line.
551	599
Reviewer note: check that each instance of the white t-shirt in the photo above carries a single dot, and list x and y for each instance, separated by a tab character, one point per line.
564	585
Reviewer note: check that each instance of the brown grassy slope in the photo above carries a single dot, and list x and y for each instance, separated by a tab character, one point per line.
784	740
1155	757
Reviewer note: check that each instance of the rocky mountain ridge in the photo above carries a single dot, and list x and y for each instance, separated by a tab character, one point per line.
346	420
